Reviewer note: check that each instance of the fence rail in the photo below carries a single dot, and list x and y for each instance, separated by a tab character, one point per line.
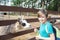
9	22
17	9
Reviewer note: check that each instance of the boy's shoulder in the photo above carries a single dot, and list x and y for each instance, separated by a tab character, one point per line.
48	23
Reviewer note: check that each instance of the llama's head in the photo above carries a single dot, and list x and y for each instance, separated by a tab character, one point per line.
23	22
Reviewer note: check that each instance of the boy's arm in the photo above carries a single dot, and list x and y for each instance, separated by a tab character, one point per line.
52	36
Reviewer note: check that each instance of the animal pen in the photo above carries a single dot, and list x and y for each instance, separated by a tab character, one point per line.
9	22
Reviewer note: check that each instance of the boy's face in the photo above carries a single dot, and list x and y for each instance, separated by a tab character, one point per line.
42	18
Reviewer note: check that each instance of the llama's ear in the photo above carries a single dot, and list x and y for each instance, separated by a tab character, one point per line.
22	17
19	17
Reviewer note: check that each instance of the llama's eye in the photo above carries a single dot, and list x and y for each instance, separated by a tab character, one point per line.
23	24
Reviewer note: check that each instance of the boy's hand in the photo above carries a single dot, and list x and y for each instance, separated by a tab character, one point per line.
35	30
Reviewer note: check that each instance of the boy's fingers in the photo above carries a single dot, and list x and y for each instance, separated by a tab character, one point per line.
35	30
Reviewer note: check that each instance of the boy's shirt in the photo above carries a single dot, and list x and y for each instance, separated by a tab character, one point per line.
42	29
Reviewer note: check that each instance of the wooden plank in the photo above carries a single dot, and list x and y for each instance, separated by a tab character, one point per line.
9	22
21	9
11	35
17	9
57	25
33	38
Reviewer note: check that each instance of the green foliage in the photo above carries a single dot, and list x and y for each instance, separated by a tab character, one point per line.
53	5
16	2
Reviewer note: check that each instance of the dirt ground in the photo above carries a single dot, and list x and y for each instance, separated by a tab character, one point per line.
24	37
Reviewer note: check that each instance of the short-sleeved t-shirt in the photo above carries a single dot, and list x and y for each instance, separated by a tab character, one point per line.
42	29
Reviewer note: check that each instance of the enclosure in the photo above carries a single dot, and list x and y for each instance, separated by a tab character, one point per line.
10	29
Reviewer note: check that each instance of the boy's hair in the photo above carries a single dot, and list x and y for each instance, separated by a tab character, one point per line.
43	11
46	14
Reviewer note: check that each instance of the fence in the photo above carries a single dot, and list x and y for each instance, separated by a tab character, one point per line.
9	22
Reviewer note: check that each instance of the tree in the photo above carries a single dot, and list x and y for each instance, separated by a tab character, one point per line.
53	5
16	3
47	4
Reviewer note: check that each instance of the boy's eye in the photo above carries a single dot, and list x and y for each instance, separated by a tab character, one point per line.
41	18
39	15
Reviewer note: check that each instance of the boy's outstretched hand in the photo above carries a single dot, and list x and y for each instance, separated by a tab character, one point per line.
35	28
